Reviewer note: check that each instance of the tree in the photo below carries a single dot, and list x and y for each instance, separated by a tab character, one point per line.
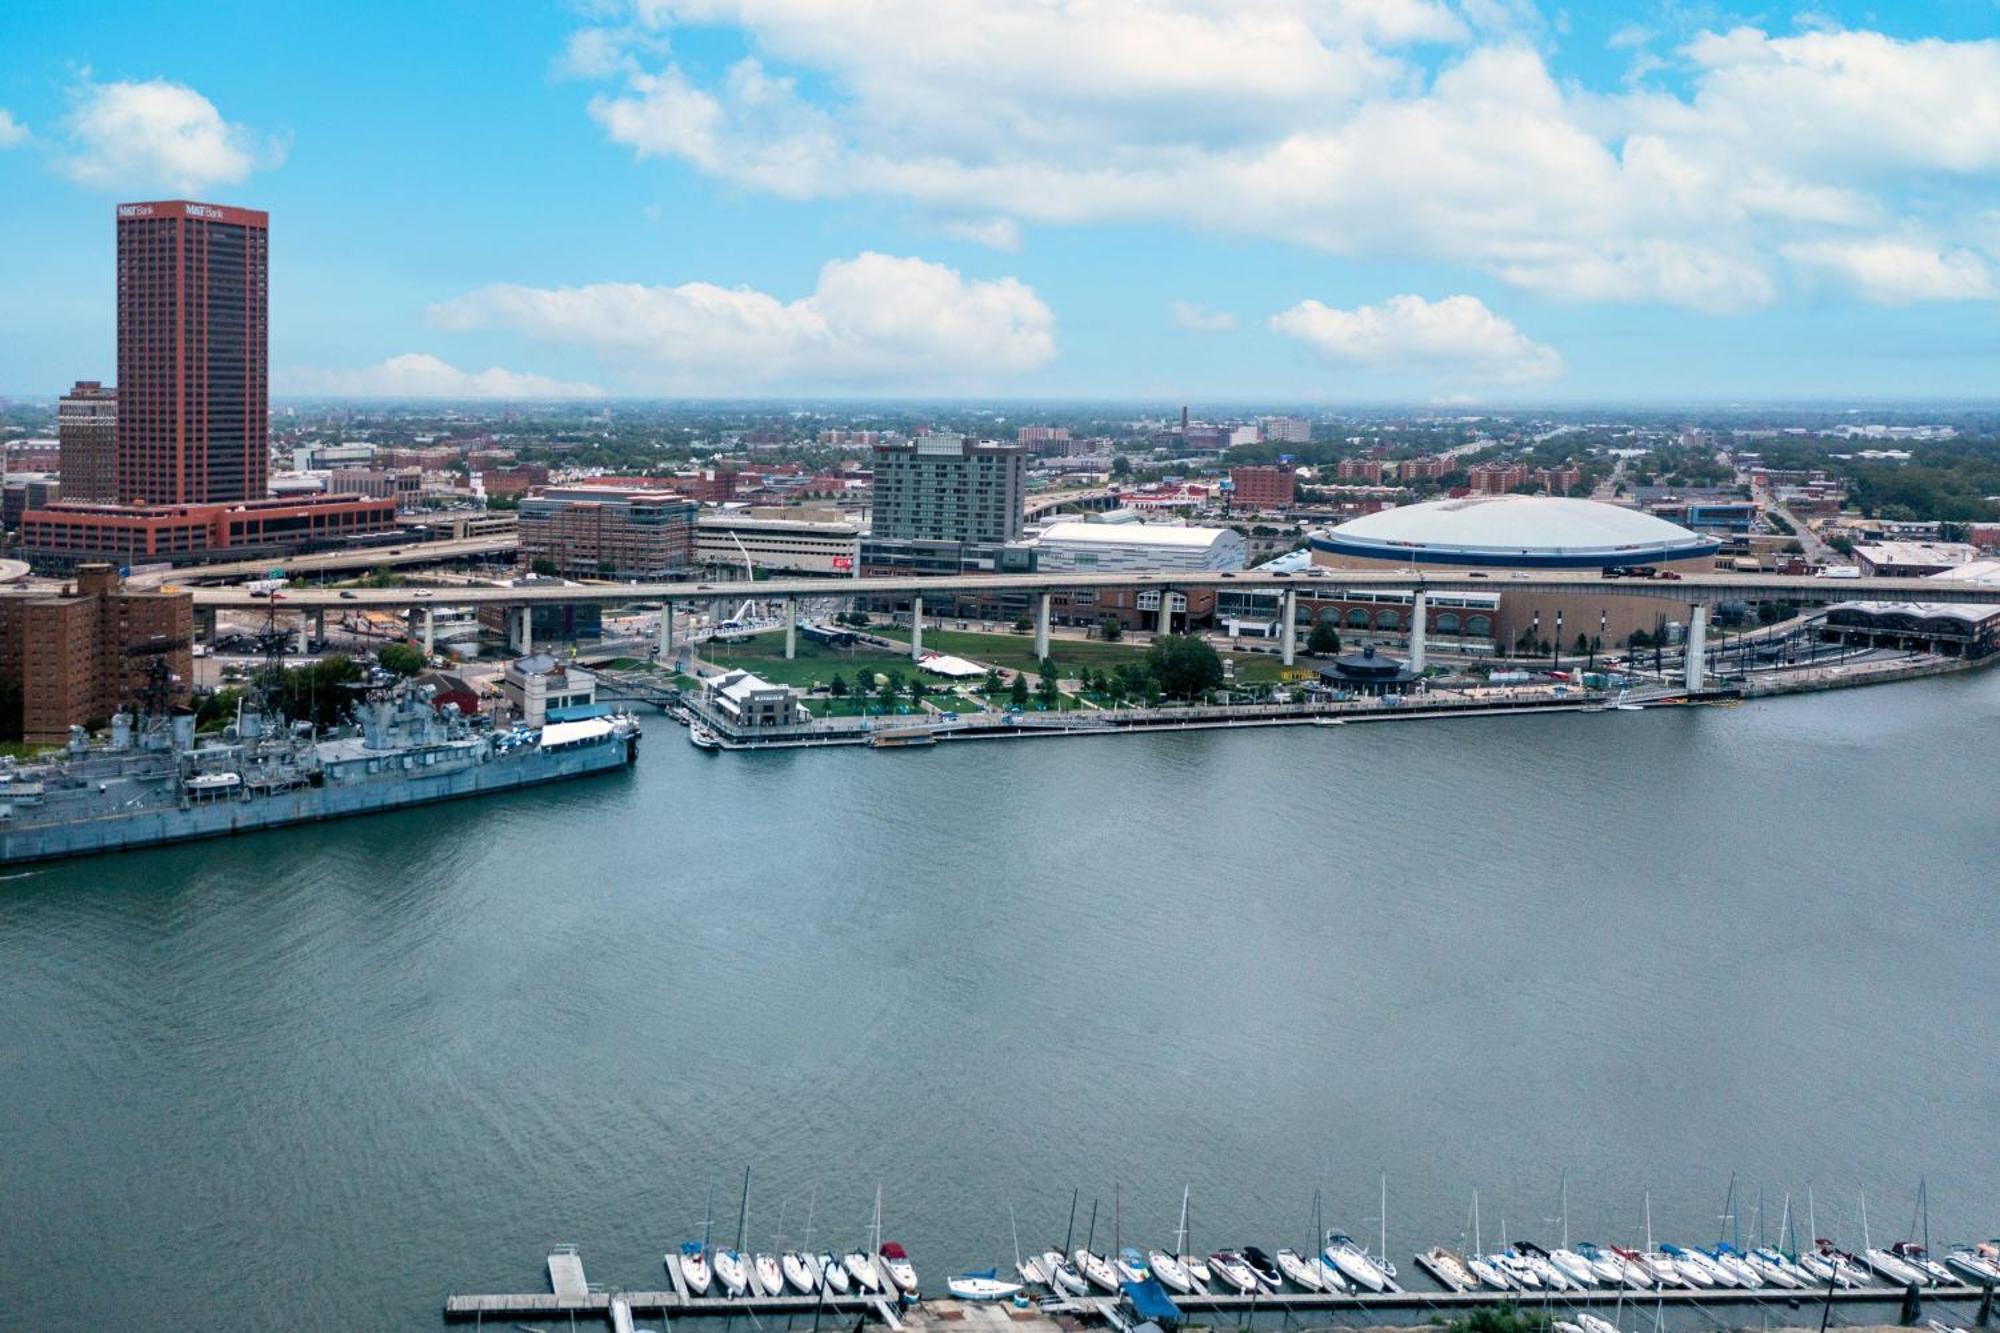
1017	693
992	681
1022	624
1110	629
1582	644
918	689
1184	665
1324	641
1121	466
401	658
1046	691
544	566
892	687
837	687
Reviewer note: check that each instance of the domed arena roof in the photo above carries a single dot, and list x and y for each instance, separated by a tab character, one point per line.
1529	531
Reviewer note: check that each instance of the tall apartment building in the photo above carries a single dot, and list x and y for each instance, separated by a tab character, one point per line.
946	488
1286	430
1263	486
595	531
87	435
1496	478
79	656
193	353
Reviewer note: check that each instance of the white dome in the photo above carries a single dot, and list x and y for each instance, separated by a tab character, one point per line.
1544	530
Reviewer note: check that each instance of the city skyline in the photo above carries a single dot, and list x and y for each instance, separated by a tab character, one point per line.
1371	203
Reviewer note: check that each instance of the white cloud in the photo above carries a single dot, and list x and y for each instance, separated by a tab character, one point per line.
1890	271
993	233
1199	318
1455	340
158	135
1312	123
12	132
875	320
420	375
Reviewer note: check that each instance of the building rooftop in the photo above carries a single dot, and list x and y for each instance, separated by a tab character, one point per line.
1918	553
1134	534
1498	526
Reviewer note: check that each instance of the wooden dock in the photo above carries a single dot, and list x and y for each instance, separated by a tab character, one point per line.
571	1296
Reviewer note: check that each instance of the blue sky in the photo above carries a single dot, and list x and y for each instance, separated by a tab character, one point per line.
1299	200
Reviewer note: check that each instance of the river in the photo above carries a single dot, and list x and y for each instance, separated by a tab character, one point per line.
320	1078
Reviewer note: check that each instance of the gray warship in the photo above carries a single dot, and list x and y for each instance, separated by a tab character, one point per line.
153	780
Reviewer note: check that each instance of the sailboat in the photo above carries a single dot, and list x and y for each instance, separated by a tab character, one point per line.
1061	1272
801	1269
1573	1265
1918	1256
984	1285
1883	1262
892	1259
1193	1263
1032	1270
1095	1268
693	1257
731	1268
1489	1273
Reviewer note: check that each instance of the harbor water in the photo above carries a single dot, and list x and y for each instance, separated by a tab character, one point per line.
318	1078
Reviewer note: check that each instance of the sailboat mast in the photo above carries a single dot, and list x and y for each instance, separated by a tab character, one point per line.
1385	1217
743	1211
1092	1236
1649	1223
1866	1244
1180	1235
707	1214
1565	1206
1070	1236
812	1208
1015	1227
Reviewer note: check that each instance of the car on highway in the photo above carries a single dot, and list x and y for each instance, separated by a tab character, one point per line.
347	593
421	592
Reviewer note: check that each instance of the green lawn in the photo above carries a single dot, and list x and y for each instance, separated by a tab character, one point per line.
1016	652
815	663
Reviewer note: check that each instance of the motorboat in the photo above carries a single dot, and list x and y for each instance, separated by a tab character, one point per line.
1354	1263
694	1268
1197	1269
1970	1263
1488	1273
1263	1266
1591	1323
801	1271
861	1267
1228	1266
831	1273
731	1271
1920	1259
1449	1270
1062	1274
1169	1271
899	1268
984	1285
1729	1261
1298	1272
702	738
769	1273
1575	1267
1096	1270
1131	1265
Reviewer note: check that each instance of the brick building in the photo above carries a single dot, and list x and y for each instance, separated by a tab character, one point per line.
1496	478
87	441
78	656
1367	470
64	535
595	531
193	353
1264	486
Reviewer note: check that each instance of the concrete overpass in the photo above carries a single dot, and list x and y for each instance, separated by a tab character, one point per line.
327	562
1695	591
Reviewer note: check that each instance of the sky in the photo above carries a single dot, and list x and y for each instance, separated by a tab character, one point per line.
1299	201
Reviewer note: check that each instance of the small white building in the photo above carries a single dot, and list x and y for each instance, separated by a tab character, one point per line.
745	701
536	684
1106	547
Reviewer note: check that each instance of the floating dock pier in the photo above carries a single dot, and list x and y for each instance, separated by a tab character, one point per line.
572	1296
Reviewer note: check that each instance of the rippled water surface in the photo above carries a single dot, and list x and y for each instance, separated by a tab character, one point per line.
321	1078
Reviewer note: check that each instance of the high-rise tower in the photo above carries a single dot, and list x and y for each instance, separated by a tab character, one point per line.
193	353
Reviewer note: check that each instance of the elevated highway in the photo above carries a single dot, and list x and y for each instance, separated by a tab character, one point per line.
1691	589
330	562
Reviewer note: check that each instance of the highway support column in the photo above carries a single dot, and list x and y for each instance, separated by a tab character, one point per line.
666	630
1166	611
917	628
1288	612
791	628
1419	622
1697	649
1042	628
430	631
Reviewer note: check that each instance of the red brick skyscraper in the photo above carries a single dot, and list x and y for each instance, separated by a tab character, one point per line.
193	353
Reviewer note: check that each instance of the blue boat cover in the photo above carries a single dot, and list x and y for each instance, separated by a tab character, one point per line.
1150	1301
